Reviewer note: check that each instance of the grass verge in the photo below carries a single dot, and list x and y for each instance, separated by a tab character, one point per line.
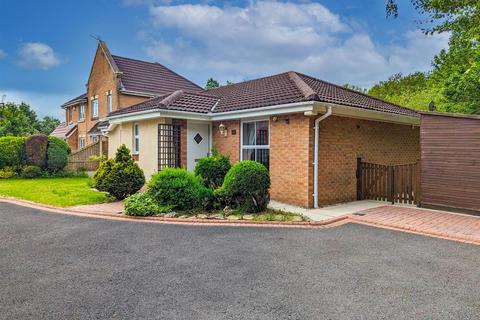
61	192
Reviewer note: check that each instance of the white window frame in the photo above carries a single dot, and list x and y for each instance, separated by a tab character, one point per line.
81	115
136	138
254	147
109	101
81	142
94	103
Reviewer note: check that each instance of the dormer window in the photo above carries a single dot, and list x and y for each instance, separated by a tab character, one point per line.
95	107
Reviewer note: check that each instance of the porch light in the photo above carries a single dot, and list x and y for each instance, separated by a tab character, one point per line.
223	129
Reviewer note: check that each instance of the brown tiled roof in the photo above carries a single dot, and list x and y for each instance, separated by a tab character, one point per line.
284	88
96	129
292	87
179	101
150	77
63	130
81	98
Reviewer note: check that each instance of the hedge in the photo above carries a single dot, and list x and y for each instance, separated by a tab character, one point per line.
12	151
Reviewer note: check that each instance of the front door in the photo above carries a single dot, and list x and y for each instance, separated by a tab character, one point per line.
197	142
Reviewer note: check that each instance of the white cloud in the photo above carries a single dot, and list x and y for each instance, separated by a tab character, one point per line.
37	55
266	37
2	54
44	104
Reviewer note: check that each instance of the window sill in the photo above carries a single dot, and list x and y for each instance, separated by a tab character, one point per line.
81	120
96	118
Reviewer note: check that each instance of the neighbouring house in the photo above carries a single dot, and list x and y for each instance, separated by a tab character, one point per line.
308	132
114	83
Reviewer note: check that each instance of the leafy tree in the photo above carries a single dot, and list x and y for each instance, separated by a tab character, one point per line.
21	120
17	120
212	83
355	88
47	125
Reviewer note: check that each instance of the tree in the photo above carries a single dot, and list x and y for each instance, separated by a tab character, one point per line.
47	125
21	120
212	83
355	88
454	83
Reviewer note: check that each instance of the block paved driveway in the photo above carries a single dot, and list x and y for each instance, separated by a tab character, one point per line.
55	266
447	225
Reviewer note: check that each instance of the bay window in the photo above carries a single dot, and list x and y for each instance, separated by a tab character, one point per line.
255	141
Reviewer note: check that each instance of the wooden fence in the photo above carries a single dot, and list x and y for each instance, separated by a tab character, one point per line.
393	183
83	157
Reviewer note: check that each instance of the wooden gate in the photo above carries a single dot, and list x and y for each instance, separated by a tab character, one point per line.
393	183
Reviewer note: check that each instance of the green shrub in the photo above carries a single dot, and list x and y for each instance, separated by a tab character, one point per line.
36	150
6	173
142	204
213	169
12	151
99	177
180	189
121	176
57	154
246	187
31	172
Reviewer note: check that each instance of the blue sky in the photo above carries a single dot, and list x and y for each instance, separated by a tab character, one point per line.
46	50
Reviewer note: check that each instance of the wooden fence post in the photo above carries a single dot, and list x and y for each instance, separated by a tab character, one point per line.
359	179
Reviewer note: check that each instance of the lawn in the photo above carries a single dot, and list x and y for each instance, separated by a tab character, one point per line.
62	192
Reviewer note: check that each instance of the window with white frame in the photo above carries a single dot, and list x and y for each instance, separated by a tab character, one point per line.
82	112
136	138
255	142
95	107
109	101
81	142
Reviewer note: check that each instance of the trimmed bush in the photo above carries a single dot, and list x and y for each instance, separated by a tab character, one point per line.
180	189
36	150
57	154
100	175
31	172
12	151
213	169
121	176
246	187
142	204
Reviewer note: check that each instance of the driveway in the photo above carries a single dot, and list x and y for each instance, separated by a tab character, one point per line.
65	267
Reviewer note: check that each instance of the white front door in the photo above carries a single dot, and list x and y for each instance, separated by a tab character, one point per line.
198	142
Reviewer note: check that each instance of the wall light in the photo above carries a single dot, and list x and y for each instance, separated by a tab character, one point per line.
223	129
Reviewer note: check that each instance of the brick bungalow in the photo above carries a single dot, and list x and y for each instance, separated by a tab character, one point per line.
308	132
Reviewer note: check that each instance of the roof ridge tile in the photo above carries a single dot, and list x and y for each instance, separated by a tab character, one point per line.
304	88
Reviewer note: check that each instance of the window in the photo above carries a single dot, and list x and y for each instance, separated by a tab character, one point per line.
95	107
70	114
136	138
81	143
94	139
256	141
109	101
82	112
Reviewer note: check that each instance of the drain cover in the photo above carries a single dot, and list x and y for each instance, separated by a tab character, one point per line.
198	138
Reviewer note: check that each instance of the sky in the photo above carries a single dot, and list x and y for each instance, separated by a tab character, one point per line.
47	48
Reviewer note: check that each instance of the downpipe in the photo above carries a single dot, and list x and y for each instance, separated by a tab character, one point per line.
315	156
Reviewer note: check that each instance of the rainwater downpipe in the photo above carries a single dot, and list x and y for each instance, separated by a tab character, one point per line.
315	156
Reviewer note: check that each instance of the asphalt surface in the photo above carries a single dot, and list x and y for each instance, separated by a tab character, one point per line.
55	266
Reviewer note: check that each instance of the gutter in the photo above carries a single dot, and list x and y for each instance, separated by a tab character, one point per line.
315	157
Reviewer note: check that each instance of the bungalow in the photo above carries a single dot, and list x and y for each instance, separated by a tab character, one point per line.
308	132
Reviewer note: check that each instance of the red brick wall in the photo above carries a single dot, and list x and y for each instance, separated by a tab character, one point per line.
291	157
342	140
229	145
